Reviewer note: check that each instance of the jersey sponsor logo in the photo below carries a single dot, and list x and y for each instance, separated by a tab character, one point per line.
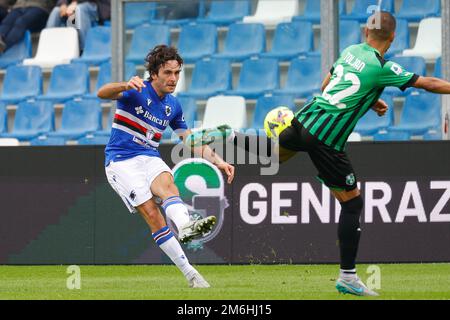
202	189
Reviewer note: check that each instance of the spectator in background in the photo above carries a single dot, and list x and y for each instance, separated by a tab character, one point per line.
25	15
4	8
81	14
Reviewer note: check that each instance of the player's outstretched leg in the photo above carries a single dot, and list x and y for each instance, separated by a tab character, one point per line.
188	229
207	136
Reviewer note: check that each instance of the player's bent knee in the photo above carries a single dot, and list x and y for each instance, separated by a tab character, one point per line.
353	206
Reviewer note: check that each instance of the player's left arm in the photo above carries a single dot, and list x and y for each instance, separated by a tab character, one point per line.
326	81
207	153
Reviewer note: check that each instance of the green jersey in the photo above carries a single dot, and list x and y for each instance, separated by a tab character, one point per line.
357	80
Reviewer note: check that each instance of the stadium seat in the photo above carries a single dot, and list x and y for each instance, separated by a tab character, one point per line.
428	41
438	68
421	113
243	41
144	39
177	13
401	41
266	103
415	65
93	140
104	76
197	41
225	12
21	83
371	123
416	10
9	142
271	13
17	53
210	77
433	135
229	110
303	80
291	39
312	11
79	118
106	130
392	136
257	77
67	81
349	34
139	13
45	140
362	9
3	118
56	46
98	46
32	119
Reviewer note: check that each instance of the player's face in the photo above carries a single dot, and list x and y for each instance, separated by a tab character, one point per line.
167	78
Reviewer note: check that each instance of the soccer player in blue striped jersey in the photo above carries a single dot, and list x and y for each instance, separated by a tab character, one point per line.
133	165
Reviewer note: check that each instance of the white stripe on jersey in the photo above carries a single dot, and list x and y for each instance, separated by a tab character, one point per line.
137	120
137	135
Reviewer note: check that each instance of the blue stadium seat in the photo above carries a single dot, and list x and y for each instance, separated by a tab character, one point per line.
257	77
66	82
415	65
177	13
106	130
210	77
79	118
401	41
139	13
371	123
93	140
416	10
312	11
21	83
32	119
291	39
243	41
438	68
17	53
45	140
303	80
392	136
362	9
189	107
144	39
349	34
98	46
421	113
3	118
266	103
197	41
104	76
433	135
225	12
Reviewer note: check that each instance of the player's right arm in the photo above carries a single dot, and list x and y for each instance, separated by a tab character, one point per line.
114	90
432	84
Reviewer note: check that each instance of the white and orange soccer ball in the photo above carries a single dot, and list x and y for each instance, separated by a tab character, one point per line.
277	120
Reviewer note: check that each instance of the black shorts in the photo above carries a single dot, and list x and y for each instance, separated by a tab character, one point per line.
335	169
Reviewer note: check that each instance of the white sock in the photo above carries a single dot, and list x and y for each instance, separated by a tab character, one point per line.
348	274
165	239
176	211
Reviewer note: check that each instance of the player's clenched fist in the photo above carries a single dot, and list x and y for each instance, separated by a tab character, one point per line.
136	83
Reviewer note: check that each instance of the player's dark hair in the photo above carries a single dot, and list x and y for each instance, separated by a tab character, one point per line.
158	56
381	25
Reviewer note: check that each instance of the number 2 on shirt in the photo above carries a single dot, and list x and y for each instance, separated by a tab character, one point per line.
341	95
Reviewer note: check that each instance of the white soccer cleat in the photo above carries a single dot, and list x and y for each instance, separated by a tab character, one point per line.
196	229
197	281
355	287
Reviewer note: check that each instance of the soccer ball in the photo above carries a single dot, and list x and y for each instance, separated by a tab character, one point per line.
277	120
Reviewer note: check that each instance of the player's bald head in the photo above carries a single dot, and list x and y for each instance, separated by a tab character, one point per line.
381	26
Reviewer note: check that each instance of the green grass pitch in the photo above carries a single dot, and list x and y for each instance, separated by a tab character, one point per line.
237	282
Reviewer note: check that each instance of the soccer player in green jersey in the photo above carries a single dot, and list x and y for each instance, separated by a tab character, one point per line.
321	128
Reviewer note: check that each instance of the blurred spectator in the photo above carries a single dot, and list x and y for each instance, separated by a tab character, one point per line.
4	7
81	14
25	15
